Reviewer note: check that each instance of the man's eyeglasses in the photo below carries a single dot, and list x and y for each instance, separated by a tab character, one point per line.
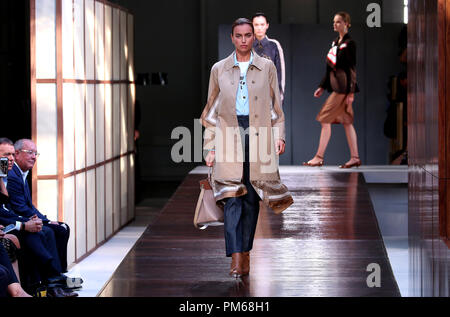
30	152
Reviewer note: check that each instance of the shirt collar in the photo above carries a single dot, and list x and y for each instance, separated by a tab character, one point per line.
236	63
264	41
24	174
257	61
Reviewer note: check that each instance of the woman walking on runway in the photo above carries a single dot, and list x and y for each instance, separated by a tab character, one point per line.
340	80
244	135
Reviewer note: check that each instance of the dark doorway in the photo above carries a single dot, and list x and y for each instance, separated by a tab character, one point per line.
15	69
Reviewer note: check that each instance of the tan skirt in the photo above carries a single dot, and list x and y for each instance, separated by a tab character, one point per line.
336	110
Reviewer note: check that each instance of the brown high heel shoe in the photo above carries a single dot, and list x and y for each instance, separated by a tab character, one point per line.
236	265
356	164
245	263
314	164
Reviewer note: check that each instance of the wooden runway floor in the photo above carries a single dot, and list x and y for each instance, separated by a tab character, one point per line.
320	246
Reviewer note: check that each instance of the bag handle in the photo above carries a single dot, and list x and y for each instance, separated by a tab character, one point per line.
209	174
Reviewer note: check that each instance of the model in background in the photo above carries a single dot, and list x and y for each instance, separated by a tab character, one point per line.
269	48
340	80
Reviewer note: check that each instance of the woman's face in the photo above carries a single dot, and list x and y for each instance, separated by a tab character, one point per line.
242	38
339	25
260	24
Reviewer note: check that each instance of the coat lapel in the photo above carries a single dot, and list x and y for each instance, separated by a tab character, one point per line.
26	189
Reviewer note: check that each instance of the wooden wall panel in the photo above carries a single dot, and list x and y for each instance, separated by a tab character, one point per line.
428	104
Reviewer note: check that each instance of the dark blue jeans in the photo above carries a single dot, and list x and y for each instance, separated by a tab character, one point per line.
241	213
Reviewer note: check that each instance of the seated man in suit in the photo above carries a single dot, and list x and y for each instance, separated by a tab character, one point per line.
38	240
20	196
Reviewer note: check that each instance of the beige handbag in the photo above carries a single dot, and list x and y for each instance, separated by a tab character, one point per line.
207	213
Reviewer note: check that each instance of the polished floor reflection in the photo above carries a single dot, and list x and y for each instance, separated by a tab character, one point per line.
321	246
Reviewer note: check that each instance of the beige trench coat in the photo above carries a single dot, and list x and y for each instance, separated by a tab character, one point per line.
266	120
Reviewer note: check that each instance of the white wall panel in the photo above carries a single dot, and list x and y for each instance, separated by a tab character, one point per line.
124	186
46	125
90	125
67	39
99	41
116	44
69	128
116	194
80	209
109	199
123	119
97	119
116	120
100	181
45	21
89	30
80	126
123	45
100	123
131	112
69	215
131	187
91	209
130	39
108	122
79	39
47	201
108	42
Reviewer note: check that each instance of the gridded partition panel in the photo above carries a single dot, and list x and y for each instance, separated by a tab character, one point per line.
83	96
100	199
69	214
109	200
46	128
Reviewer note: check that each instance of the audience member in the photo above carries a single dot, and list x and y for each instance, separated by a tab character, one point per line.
12	246
38	240
9	284
20	196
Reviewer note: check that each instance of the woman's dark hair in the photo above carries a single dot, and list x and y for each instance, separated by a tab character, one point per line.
260	14
346	17
242	21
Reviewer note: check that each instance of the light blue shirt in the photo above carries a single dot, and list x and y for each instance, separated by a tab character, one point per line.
242	105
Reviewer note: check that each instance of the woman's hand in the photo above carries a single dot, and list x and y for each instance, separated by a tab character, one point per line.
210	158
350	98
281	146
318	92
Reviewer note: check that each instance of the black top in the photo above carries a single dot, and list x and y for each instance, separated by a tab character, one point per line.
340	76
3	199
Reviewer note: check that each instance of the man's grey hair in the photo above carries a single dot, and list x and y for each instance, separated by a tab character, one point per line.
19	144
6	141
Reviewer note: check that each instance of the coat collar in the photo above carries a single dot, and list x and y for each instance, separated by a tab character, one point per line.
345	38
257	61
263	42
19	173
